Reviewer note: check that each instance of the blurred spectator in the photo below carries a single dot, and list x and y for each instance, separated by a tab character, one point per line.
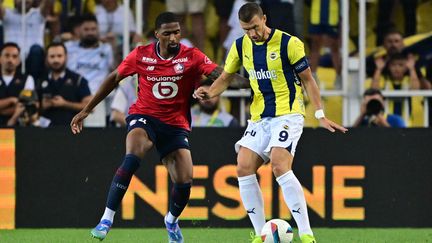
210	113
32	41
124	97
401	76
282	14
324	29
70	8
27	111
393	44
401	73
93	60
373	114
195	8
385	11
223	10
12	81
111	16
64	93
72	30
235	28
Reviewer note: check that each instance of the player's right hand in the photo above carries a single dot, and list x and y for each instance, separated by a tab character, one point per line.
201	94
77	122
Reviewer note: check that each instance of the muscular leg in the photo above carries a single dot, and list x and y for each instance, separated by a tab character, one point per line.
179	165
248	163
281	161
315	48
137	144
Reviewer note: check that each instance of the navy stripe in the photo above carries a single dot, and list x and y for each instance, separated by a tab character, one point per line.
239	46
264	84
289	73
324	12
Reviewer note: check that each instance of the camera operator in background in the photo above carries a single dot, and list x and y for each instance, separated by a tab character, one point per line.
12	81
27	111
372	113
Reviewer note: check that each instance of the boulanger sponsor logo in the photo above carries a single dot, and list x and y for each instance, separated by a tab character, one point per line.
180	60
262	74
164	78
149	60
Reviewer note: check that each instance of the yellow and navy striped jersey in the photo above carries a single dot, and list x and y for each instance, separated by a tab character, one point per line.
272	67
324	12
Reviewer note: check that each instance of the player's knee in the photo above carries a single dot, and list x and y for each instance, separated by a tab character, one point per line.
280	168
244	169
139	148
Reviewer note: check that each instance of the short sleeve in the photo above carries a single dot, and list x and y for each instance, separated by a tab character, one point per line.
296	54
232	62
83	88
204	64
128	66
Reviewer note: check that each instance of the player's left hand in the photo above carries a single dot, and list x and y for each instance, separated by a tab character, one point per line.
77	122
331	125
201	94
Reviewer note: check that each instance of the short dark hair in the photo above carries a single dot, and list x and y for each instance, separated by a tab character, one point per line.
248	11
10	44
88	18
372	91
165	18
56	44
397	56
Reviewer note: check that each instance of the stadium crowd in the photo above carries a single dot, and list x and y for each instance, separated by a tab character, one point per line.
55	62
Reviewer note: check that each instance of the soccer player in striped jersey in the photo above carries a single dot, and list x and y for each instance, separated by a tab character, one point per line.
168	72
277	69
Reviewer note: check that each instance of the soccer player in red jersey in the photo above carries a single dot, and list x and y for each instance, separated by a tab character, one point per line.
168	74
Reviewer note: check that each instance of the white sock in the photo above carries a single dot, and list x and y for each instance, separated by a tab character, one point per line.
295	200
171	218
108	214
253	202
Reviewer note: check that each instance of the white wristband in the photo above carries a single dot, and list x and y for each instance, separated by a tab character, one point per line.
319	114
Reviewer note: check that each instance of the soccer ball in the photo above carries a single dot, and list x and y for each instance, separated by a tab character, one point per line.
277	231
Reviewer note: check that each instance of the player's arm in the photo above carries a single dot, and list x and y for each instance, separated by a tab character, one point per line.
314	94
223	77
237	81
218	86
108	85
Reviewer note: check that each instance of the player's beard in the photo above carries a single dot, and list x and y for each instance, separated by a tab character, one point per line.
173	49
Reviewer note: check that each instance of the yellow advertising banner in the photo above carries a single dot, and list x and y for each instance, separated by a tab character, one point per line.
7	179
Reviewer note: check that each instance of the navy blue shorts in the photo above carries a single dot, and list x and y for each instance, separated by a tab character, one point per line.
165	137
324	29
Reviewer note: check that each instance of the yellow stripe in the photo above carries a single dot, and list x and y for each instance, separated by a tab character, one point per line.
334	12
7	179
315	12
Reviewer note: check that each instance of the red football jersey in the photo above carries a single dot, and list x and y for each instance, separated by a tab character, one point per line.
165	87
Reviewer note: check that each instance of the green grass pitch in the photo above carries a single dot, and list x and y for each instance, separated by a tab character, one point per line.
217	235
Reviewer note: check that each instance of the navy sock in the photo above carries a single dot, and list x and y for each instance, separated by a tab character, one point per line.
179	198
121	181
